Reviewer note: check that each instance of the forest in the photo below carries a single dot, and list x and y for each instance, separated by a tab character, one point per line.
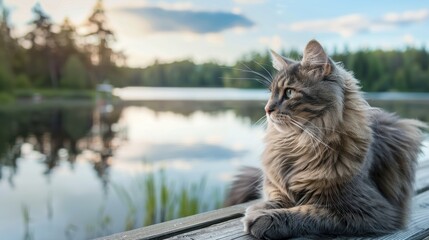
58	57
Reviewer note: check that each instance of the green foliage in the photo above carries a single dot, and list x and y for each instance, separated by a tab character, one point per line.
56	52
22	82
377	70
6	78
392	70
6	98
6	74
180	74
165	201
56	56
74	74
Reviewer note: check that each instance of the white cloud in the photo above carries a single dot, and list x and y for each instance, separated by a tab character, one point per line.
408	39
344	25
407	17
249	1
352	24
273	42
176	5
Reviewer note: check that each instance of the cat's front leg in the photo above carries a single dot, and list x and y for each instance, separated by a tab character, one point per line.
263	205
257	223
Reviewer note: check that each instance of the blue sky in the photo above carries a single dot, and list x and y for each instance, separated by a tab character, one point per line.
224	30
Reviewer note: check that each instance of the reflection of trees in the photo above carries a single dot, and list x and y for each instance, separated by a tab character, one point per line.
101	139
244	109
8	151
75	127
255	109
408	109
55	127
80	127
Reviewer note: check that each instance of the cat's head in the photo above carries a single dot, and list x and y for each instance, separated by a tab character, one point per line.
307	93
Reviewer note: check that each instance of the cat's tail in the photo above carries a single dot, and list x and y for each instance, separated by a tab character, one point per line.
246	186
397	143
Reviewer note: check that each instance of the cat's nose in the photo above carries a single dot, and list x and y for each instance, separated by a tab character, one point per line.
269	109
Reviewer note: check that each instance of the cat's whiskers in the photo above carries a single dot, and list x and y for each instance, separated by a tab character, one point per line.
261	81
261	121
342	132
306	130
257	73
271	76
264	79
282	120
312	137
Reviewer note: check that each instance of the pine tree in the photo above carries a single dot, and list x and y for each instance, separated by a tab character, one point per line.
6	74
101	52
43	48
75	75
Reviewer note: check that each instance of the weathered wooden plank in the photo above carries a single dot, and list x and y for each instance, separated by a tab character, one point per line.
422	176
227	230
187	224
233	229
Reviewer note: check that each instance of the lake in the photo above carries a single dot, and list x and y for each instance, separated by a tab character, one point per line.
78	170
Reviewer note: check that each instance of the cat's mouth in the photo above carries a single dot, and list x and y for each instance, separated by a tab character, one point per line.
275	119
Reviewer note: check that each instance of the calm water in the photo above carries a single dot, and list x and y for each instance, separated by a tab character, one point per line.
63	166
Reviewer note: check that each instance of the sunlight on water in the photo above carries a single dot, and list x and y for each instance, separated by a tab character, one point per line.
210	94
74	171
63	177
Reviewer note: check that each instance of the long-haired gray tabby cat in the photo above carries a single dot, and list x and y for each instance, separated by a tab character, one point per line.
332	164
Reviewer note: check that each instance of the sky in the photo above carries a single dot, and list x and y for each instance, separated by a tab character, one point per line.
224	30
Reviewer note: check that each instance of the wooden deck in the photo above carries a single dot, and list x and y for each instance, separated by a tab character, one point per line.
225	223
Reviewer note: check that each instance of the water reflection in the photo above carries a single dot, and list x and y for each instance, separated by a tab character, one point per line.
58	132
60	161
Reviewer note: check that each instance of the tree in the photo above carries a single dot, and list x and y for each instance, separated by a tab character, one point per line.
6	74
66	41
101	37
43	48
75	75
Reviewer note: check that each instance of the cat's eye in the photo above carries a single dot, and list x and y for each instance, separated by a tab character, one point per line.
289	93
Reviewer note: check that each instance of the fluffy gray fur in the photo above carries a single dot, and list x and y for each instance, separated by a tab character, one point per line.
332	165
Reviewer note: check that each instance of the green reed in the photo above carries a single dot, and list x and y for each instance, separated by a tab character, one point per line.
163	200
28	234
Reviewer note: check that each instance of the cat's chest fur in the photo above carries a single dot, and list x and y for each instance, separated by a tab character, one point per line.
300	170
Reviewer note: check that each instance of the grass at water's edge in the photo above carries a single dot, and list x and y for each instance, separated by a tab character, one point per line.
45	94
148	200
164	200
54	94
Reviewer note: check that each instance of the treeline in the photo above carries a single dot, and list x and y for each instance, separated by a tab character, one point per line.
378	71
64	56
56	56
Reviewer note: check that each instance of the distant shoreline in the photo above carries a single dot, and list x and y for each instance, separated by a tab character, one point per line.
132	94
234	94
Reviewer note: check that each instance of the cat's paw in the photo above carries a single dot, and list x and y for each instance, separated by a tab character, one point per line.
257	223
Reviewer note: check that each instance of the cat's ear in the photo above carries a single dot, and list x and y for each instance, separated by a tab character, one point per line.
316	58
280	62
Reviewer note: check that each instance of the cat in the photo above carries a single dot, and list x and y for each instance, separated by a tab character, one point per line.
332	165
